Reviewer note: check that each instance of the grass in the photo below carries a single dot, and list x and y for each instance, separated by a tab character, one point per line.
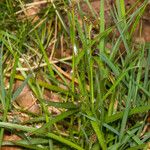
104	94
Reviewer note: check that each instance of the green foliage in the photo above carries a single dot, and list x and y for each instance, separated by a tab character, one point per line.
107	96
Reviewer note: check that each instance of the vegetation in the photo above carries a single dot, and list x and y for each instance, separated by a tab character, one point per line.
88	81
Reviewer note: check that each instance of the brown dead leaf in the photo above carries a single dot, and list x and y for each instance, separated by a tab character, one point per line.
26	99
18	84
36	109
12	138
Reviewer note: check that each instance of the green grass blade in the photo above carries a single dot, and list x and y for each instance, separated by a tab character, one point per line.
49	135
126	111
102	26
133	111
